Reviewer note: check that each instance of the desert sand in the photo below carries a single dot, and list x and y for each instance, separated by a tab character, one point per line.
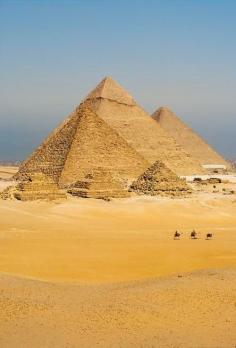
196	310
7	171
87	273
130	239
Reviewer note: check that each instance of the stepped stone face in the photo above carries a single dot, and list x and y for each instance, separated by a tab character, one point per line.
159	180
140	131
97	144
49	158
187	138
99	184
34	186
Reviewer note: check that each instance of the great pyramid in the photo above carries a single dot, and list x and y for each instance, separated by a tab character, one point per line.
83	155
159	180
187	138
97	145
119	110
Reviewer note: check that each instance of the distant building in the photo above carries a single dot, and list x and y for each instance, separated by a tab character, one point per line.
215	168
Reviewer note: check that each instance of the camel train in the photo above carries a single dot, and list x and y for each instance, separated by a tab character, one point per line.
193	235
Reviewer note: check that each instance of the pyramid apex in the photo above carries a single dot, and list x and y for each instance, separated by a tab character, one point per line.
160	111
107	78
109	89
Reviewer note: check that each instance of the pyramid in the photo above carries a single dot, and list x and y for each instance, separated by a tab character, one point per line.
110	90
83	154
119	110
96	144
101	148
187	138
159	180
34	186
99	183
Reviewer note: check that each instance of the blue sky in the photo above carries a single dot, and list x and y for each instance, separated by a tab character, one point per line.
179	53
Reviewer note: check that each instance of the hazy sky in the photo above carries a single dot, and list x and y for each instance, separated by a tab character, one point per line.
180	53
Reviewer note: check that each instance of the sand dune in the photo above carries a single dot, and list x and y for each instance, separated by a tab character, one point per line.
96	241
112	275
196	310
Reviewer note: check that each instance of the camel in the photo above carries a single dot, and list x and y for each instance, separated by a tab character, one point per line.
193	235
177	235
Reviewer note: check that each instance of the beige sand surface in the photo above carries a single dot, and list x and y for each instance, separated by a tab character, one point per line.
6	172
109	273
197	311
97	241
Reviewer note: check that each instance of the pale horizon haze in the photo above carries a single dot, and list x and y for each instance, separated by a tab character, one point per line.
179	54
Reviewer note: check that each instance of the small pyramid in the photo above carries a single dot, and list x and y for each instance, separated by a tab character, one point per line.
187	138
118	109
99	183
34	186
159	180
111	90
